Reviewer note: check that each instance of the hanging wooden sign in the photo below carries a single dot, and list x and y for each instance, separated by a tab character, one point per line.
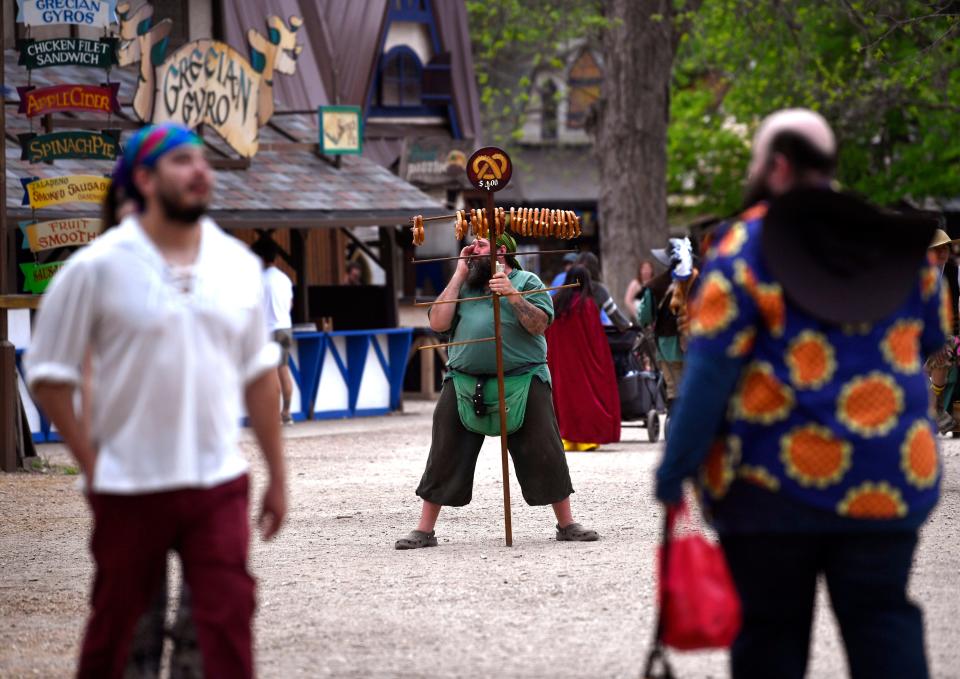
41	148
36	277
36	102
489	169
68	52
96	13
74	188
60	233
207	81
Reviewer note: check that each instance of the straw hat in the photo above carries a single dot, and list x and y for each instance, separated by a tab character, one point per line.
941	237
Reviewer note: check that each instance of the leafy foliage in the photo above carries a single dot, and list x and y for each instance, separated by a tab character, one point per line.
884	73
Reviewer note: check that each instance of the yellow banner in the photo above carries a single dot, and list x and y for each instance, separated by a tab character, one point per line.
74	188
61	233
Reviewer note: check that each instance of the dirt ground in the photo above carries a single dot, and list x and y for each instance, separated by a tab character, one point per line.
335	598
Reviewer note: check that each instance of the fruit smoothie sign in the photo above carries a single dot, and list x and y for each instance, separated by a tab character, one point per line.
94	13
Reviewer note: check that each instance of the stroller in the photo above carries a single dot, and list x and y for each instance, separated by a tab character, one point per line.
642	392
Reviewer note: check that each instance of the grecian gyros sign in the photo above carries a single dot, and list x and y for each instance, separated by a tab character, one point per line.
96	13
67	52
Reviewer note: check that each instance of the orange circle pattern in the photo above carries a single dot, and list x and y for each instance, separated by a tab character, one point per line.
811	359
901	346
873	501
732	242
767	296
870	405
929	277
716	473
742	343
762	397
716	307
918	455
759	476
813	456
947	311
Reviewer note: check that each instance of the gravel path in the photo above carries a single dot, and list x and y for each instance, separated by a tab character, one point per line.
336	599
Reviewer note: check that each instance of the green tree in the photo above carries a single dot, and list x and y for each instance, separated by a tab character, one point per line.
884	73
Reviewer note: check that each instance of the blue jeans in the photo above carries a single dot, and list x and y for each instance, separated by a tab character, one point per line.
866	575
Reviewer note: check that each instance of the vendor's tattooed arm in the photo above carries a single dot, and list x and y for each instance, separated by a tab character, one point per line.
534	320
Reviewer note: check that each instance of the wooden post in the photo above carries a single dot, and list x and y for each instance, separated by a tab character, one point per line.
9	410
507	519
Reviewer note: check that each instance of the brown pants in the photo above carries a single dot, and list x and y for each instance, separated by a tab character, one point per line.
672	373
132	534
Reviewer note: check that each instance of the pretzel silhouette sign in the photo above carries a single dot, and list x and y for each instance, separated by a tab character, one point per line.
489	169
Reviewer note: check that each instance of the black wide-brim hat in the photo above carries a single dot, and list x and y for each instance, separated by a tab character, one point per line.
841	259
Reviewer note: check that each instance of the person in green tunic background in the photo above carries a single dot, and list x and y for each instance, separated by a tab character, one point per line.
467	410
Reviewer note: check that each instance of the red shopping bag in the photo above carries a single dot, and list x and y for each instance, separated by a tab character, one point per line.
699	606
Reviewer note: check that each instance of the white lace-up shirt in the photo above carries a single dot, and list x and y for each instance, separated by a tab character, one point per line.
173	349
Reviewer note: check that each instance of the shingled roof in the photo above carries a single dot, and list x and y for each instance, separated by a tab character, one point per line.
289	187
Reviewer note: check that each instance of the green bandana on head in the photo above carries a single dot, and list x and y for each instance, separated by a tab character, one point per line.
510	243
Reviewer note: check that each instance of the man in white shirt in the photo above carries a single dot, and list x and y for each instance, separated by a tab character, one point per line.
277	302
171	309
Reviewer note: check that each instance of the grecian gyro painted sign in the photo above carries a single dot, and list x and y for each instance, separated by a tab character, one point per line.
60	233
75	144
207	81
74	188
97	13
68	52
36	102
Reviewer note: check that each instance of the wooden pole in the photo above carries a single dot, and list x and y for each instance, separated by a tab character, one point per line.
9	408
522	293
507	519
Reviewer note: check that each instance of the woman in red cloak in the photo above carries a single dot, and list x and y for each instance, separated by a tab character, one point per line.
585	395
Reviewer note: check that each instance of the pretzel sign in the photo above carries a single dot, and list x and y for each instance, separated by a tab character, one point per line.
489	169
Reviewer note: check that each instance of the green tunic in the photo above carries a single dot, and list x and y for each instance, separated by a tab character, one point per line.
522	351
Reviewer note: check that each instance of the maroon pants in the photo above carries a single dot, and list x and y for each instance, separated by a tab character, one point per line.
132	534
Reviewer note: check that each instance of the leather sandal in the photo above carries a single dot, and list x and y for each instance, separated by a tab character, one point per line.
574	532
417	539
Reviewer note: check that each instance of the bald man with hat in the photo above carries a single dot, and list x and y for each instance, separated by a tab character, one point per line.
467	410
804	414
170	308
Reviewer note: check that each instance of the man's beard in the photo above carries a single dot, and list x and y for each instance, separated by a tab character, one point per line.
183	215
755	191
479	274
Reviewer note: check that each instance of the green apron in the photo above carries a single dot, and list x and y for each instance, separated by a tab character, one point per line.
516	390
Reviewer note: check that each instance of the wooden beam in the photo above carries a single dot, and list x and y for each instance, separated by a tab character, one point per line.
363	246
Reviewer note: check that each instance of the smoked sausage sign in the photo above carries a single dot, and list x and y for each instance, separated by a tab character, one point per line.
73	188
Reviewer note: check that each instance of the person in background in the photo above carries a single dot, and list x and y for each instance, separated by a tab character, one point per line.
277	303
656	306
610	313
568	260
354	273
644	275
585	394
161	464
804	413
466	413
938	365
